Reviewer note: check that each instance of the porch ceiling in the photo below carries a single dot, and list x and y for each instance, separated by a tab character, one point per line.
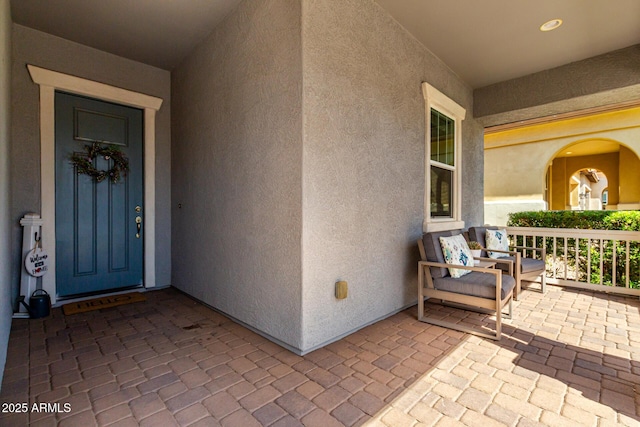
487	42
589	148
483	42
156	32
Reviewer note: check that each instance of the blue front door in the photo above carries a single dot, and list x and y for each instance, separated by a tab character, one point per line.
99	225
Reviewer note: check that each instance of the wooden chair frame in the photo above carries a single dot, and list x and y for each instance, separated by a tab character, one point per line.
532	275
468	301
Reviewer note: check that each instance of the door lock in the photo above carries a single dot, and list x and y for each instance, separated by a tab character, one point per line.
138	226
138	209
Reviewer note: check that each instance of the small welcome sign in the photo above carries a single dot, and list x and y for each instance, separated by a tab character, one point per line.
37	262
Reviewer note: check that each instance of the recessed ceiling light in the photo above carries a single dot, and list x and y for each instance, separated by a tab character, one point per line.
551	25
569	152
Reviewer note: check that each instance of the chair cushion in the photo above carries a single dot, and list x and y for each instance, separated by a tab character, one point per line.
456	252
499	240
476	284
527	265
433	250
478	234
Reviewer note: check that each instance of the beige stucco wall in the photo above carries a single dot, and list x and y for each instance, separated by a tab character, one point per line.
6	308
363	173
56	54
237	161
523	155
298	154
559	189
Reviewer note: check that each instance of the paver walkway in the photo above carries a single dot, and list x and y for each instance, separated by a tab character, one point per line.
567	358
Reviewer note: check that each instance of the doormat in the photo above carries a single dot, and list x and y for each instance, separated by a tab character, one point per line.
102	302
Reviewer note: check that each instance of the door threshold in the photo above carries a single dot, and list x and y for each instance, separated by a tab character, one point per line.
60	301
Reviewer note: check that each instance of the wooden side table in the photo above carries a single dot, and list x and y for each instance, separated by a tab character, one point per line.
484	264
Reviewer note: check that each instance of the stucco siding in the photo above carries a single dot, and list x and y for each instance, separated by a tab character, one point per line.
629	196
237	161
6	307
261	166
56	54
363	167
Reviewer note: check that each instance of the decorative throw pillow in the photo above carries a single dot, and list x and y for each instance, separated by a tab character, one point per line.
456	252
498	240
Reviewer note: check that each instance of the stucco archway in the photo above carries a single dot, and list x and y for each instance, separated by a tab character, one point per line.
618	162
586	187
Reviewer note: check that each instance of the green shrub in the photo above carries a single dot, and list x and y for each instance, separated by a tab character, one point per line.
622	220
585	220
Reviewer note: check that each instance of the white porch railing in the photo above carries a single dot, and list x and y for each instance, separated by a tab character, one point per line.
600	260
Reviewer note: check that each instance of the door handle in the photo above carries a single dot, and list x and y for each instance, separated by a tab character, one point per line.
138	226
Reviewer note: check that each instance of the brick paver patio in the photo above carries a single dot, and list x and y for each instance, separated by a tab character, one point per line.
567	358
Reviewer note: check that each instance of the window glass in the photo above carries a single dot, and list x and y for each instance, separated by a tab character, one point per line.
442	138
441	194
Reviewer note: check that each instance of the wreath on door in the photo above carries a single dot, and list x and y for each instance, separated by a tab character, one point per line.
84	162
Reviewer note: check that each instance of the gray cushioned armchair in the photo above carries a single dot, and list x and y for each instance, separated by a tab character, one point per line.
484	288
527	268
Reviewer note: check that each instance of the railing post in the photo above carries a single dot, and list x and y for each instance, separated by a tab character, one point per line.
614	271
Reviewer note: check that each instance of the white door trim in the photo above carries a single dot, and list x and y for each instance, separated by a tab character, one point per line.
49	82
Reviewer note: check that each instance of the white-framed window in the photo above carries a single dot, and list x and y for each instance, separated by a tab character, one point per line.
443	148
